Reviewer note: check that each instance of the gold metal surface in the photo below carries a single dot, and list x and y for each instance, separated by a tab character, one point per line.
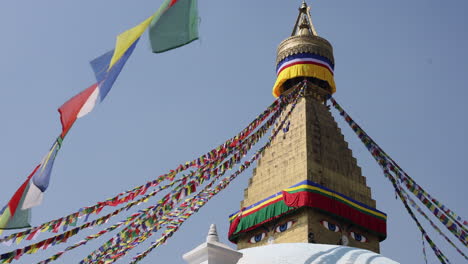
304	39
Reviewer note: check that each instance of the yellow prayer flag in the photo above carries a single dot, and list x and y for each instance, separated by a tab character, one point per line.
126	39
4	218
19	239
34	249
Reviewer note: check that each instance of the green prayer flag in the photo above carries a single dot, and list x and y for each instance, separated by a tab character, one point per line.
174	25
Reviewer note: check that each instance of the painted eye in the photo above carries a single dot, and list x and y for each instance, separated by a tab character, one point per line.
330	226
257	238
285	226
358	237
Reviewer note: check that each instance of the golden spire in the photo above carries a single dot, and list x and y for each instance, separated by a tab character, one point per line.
304	42
304	25
304	38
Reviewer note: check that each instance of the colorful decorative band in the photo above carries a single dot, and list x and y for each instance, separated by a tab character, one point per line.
305	58
310	186
307	194
304	65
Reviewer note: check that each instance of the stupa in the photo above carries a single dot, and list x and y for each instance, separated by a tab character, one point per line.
307	200
307	186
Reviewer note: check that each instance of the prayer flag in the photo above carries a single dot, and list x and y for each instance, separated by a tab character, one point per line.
127	39
84	102
78	106
106	73
17	214
173	25
40	178
12	215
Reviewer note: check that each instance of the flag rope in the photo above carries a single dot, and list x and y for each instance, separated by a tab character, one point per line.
379	154
251	140
387	164
172	210
224	183
214	162
131	194
398	190
107	251
420	211
244	140
416	189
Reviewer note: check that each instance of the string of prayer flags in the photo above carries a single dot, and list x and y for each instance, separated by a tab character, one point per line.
189	207
442	212
62	238
112	250
17	214
437	208
420	211
389	165
181	191
213	191
447	220
424	249
210	192
209	166
401	194
459	233
202	163
173	25
72	219
442	258
102	220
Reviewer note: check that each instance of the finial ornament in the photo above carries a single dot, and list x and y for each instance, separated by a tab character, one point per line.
212	234
304	55
304	21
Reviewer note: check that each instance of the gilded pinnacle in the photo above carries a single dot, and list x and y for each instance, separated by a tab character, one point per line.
304	22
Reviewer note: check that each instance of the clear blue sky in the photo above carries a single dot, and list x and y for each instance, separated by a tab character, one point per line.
401	72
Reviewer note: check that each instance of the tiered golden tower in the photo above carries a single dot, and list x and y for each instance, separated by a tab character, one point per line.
329	202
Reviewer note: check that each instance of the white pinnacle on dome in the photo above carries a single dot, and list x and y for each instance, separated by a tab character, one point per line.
212	251
212	234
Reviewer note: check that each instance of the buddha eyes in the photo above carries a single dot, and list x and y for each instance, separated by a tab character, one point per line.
285	226
335	228
358	237
330	226
278	229
257	238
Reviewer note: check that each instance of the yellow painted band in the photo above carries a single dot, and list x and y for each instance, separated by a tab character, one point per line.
339	197
259	205
303	70
309	187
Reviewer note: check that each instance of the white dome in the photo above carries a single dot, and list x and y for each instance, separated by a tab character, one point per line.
304	253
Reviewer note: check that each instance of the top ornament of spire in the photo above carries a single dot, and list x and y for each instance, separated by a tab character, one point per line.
304	55
304	25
